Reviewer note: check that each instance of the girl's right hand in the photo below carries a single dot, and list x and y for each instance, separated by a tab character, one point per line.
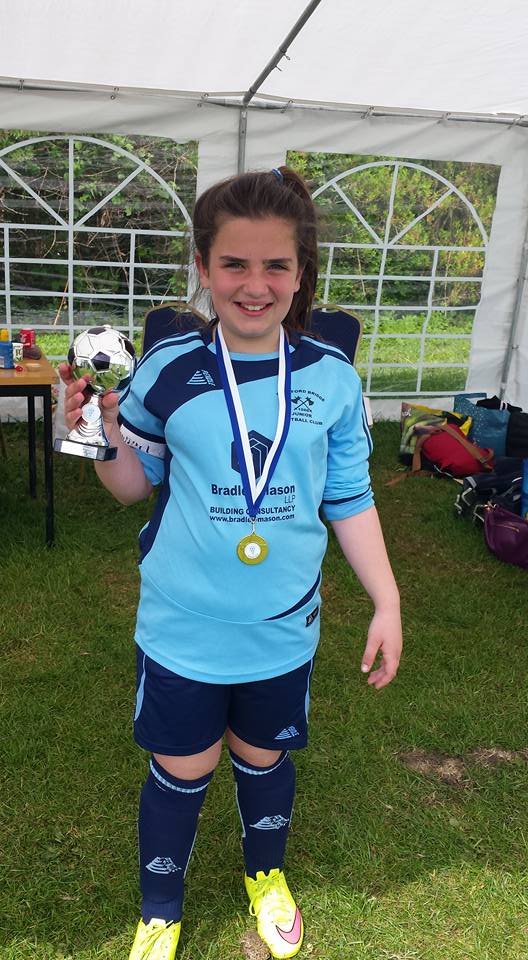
77	393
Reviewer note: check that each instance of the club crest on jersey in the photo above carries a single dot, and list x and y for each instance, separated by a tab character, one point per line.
304	406
260	447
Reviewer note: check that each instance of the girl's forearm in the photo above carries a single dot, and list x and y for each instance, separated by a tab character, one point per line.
361	540
123	477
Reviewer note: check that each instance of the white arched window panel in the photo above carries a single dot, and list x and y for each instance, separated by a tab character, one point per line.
417	322
91	223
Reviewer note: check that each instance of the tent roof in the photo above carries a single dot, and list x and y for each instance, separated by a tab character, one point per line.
455	57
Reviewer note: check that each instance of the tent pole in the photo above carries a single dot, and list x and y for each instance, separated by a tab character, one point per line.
281	52
232	101
512	339
276	58
242	131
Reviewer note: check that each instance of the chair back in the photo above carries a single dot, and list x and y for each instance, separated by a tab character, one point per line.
166	320
336	326
331	324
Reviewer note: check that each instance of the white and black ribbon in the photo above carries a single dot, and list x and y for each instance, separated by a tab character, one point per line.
255	491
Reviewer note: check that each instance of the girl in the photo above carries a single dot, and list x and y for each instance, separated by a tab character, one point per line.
249	426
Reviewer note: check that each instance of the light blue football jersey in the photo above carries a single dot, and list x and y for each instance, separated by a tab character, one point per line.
202	612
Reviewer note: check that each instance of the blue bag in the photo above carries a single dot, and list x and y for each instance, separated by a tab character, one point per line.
488	427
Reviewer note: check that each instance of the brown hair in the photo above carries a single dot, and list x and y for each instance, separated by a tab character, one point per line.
278	193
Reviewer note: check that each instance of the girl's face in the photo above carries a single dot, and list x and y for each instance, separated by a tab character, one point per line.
253	273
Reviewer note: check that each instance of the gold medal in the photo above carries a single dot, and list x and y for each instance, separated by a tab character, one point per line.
252	549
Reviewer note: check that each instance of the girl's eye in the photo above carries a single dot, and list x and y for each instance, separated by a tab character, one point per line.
277	266
234	265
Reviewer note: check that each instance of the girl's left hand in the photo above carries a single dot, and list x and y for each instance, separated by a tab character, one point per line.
385	637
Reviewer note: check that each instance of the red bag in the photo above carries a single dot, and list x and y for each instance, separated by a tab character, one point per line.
447	448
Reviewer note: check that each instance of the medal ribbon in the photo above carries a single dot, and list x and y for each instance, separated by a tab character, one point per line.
254	491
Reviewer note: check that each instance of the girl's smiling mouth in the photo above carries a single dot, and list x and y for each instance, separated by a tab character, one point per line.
252	309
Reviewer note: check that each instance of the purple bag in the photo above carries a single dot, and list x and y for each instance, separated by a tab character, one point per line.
506	535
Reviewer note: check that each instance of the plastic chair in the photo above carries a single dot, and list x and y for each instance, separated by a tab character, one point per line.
337	326
330	323
165	320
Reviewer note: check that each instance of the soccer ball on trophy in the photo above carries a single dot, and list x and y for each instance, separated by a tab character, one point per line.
108	358
104	354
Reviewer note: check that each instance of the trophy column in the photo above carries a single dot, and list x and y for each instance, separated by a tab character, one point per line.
88	438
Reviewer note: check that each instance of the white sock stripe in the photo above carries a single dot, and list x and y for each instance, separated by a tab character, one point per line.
190	852
259	773
240	812
172	786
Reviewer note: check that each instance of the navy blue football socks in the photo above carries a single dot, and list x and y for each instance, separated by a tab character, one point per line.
168	819
265	802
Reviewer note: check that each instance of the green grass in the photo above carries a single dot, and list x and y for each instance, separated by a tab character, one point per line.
388	864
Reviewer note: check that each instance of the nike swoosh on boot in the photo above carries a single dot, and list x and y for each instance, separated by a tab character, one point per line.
293	935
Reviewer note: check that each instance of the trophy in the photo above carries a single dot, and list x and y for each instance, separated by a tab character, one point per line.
108	357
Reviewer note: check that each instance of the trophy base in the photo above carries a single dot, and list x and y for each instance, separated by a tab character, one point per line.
90	451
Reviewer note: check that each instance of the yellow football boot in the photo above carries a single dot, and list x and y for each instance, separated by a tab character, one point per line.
156	940
279	921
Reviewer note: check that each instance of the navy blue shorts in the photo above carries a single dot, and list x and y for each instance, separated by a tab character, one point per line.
179	717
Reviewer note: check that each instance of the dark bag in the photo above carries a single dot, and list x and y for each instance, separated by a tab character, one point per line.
493	403
506	535
517	435
503	485
451	452
509	500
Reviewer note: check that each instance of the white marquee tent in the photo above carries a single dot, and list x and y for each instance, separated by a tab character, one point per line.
250	79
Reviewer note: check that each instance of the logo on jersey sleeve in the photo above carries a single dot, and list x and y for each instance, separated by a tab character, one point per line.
312	616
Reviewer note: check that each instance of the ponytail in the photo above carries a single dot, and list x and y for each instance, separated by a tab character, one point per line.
307	253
